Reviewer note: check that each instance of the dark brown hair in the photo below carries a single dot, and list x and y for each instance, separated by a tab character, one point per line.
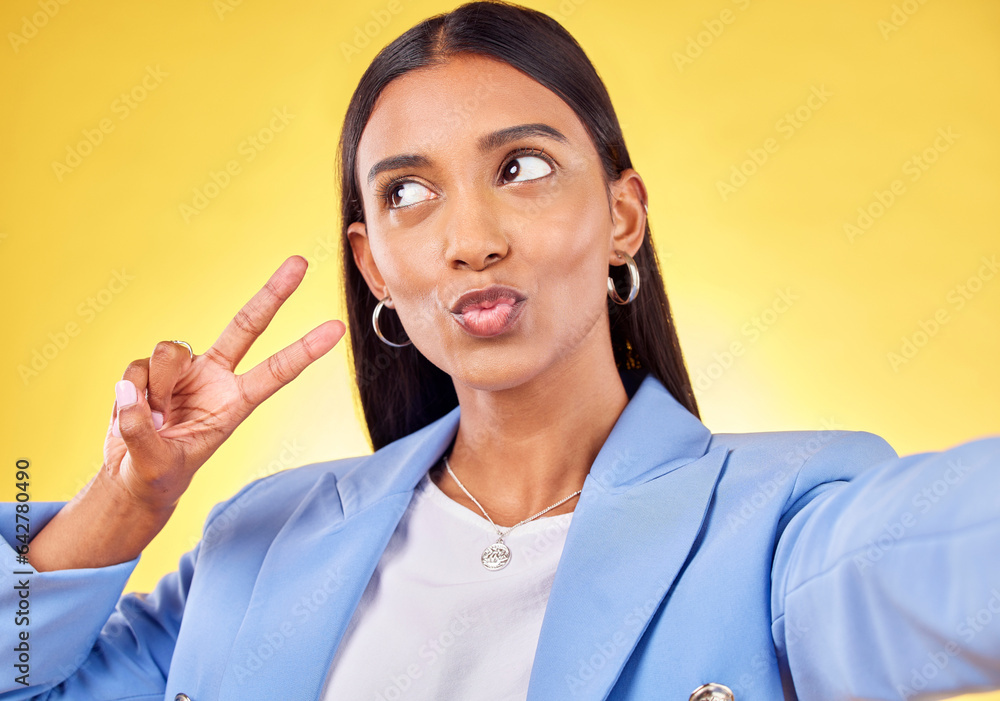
400	390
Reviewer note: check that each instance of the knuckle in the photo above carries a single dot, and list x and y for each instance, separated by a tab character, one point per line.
245	322
218	357
131	423
272	290
165	348
137	366
309	348
280	368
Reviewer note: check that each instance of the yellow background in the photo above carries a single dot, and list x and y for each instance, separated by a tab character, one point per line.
224	67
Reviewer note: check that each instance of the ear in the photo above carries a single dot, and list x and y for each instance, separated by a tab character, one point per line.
357	234
628	215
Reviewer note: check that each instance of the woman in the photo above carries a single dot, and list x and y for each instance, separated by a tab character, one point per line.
544	515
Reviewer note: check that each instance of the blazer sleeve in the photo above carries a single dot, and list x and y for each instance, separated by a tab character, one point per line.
885	583
85	640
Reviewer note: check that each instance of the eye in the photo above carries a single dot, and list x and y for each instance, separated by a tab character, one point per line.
529	165
403	193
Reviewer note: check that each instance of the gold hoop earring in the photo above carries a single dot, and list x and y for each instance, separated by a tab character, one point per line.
378	332
633	273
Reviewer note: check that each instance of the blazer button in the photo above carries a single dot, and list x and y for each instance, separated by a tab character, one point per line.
182	697
712	692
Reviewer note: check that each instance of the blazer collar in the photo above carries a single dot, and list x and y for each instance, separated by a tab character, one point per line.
654	434
641	508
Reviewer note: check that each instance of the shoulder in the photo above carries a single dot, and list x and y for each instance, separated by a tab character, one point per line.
848	450
785	465
272	499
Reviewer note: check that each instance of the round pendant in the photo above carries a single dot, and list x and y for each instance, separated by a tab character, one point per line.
496	556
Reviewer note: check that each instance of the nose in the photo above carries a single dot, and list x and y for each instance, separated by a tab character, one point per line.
476	238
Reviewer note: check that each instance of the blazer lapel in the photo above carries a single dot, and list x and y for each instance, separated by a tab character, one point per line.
641	510
318	566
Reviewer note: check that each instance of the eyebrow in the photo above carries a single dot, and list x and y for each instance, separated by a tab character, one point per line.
489	142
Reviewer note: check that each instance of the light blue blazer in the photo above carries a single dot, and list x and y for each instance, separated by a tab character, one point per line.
810	565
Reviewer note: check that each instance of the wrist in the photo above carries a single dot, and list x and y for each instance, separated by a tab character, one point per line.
102	525
124	501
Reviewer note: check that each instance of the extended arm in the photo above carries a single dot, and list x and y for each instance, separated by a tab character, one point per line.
888	586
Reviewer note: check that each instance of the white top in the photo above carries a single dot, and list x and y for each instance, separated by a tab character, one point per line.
433	623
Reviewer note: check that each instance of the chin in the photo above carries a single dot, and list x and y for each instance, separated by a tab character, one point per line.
495	371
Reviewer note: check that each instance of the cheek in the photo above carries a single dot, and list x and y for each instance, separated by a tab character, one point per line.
409	272
575	248
403	265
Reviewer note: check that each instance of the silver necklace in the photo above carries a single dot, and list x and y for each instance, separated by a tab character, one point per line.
497	555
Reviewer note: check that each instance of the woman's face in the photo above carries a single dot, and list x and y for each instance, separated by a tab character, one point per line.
493	181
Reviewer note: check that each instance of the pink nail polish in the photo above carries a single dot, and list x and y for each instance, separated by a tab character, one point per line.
157	420
125	394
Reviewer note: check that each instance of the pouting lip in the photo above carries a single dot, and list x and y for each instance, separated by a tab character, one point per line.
484	296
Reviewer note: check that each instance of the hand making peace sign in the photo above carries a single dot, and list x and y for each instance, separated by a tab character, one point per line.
173	410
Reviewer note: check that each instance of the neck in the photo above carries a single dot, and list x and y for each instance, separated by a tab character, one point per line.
520	450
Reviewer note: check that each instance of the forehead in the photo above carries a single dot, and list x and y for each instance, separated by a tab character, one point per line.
450	105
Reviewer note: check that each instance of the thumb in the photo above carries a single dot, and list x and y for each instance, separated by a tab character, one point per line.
134	424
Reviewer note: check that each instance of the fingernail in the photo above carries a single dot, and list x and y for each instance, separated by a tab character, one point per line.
125	394
157	420
115	431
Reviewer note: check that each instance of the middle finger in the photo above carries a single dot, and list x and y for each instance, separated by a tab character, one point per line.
253	318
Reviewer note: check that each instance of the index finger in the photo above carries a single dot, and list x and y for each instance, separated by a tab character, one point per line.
250	321
260	382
